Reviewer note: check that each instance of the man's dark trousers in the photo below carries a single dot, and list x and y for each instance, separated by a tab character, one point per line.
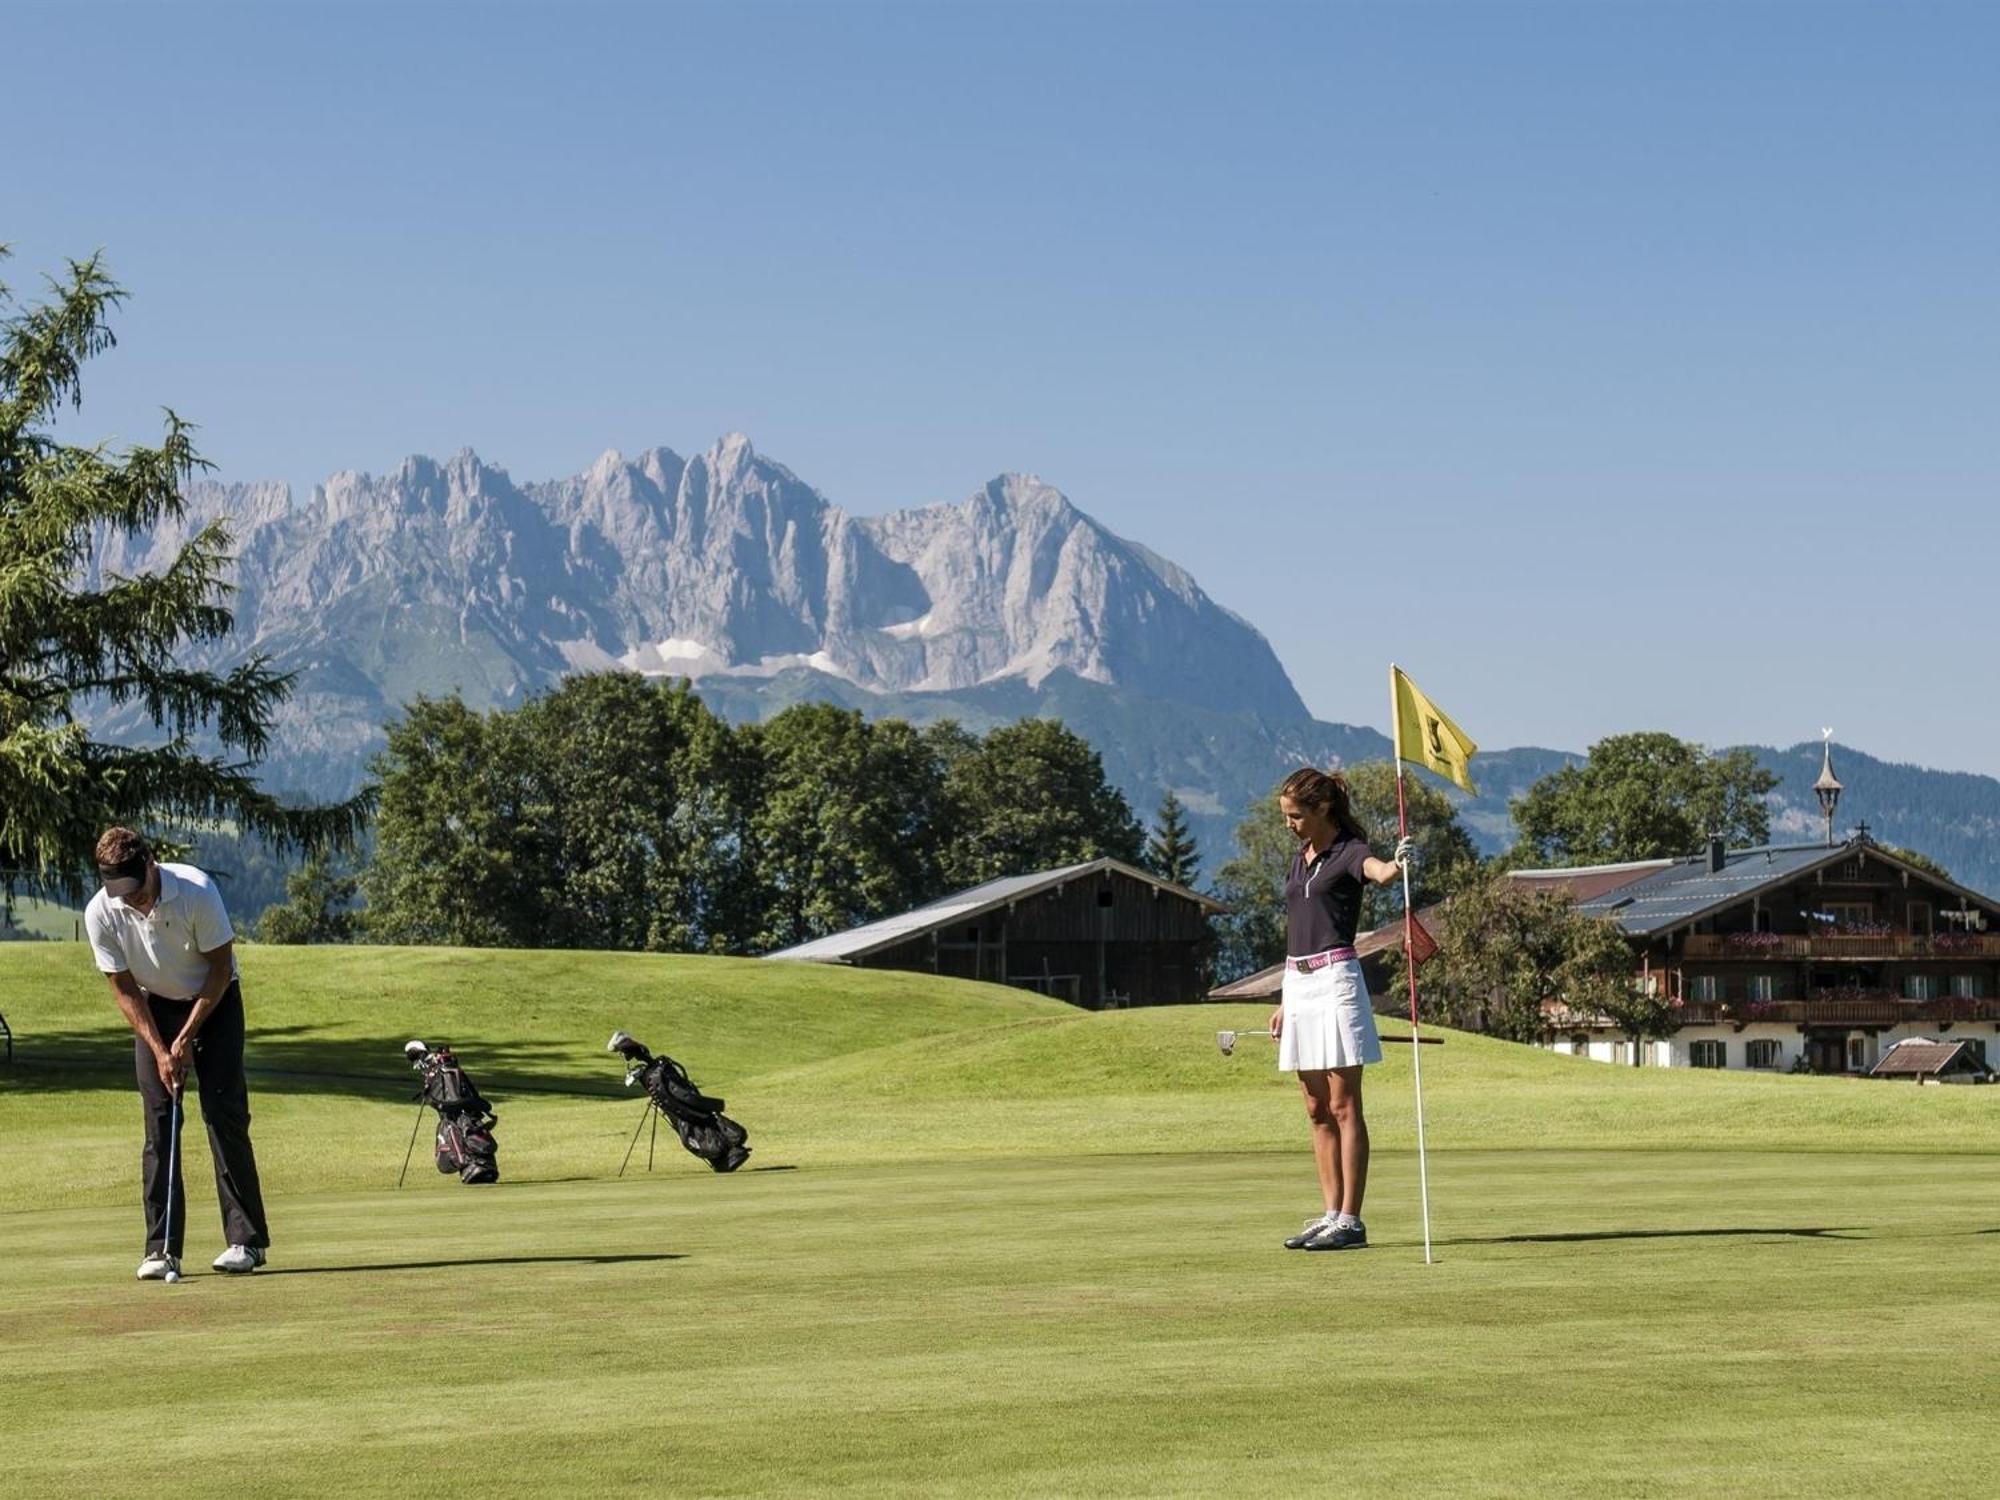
225	1110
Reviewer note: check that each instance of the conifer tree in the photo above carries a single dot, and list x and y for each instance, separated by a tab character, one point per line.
1171	853
78	643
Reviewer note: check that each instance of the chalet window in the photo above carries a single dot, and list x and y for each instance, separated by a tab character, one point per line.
1920	918
1851	870
1707	1054
1851	913
1579	1044
1762	1054
1967	986
1104	898
1977	1044
1761	922
1857	1055
1920	986
1703	987
1763	987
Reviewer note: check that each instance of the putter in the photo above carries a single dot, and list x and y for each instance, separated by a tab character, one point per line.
1225	1041
173	1166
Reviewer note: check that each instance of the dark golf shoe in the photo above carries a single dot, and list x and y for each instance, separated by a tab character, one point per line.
1339	1237
1304	1237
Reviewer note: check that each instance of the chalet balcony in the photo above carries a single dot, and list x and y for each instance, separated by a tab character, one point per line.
1765	947
1876	1008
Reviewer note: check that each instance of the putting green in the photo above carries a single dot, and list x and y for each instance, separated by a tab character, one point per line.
986	1246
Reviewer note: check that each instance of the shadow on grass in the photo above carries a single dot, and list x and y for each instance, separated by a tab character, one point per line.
1584	1236
298	1060
480	1260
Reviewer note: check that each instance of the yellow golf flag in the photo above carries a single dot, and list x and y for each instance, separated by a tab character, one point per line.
1425	735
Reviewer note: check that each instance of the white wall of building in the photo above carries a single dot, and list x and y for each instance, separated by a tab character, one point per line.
1788	1044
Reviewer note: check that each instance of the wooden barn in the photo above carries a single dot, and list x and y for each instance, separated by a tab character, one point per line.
1099	935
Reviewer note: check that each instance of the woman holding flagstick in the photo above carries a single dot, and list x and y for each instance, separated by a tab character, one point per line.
1324	1024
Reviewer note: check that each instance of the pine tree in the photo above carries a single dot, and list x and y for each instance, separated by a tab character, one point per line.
1170	850
73	643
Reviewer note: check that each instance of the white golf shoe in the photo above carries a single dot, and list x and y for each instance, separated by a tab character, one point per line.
239	1260
156	1265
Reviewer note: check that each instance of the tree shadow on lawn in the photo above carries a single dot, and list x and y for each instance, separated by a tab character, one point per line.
479	1260
1840	1232
298	1060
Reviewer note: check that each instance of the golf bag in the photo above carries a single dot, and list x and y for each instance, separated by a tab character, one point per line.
465	1143
696	1117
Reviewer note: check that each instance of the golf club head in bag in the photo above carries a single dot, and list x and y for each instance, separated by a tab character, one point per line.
697	1118
633	1052
465	1142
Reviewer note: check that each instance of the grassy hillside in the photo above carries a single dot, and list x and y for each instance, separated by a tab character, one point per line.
826	1066
43	920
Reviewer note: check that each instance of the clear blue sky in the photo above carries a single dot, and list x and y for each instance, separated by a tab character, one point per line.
1611	366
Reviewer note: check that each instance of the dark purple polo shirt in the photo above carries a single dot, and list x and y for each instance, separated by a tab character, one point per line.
1323	899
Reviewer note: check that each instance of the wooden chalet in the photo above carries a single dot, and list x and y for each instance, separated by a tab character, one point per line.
1806	958
1101	934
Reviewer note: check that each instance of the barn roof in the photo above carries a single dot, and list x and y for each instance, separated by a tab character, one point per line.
1588	882
1921	1056
872	937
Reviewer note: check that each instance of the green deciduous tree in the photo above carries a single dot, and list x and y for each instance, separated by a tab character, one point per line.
609	813
639	791
318	907
1642	796
73	644
1032	796
1171	852
1504	951
459	837
615	812
844	822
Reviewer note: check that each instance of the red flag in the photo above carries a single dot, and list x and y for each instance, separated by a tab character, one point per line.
1420	943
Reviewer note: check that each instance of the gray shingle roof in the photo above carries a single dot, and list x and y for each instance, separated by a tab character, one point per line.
857	942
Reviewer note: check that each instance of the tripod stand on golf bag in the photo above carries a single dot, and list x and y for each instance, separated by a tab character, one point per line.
699	1121
465	1143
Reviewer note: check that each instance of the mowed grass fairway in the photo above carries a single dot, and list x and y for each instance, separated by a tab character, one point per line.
986	1245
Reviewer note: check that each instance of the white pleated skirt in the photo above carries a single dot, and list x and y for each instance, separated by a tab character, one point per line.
1328	1020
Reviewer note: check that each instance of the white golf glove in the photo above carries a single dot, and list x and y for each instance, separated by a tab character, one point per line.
1406	853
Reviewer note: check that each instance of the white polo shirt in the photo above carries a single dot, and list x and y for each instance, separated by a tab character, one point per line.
163	949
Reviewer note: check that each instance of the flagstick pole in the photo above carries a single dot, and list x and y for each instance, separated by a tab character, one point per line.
1410	963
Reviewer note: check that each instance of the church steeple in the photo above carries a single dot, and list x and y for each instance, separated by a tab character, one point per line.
1828	787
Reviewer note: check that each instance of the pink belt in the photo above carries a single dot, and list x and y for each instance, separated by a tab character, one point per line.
1324	960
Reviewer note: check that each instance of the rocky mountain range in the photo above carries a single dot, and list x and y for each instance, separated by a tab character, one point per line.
728	569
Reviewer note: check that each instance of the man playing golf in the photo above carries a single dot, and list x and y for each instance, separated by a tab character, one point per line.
1324	1024
162	939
